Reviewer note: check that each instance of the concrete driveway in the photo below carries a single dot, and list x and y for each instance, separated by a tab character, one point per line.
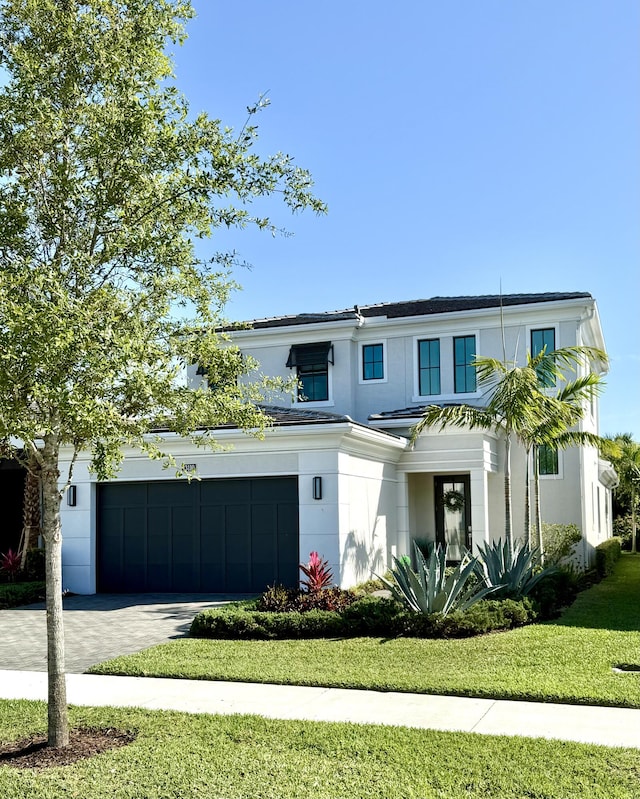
99	627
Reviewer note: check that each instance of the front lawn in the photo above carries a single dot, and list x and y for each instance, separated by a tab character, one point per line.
178	756
569	660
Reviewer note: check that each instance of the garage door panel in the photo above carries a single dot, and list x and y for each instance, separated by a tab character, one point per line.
168	494
275	489
211	535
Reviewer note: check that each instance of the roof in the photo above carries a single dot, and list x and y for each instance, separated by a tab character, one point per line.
414	412
283	417
435	305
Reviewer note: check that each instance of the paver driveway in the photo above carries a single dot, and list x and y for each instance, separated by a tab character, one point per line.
98	627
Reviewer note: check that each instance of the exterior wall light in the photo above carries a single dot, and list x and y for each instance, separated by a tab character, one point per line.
317	487
71	496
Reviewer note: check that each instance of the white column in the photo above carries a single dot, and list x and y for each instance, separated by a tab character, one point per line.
479	507
403	534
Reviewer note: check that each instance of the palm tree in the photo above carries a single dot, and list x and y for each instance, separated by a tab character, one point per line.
624	453
563	411
517	404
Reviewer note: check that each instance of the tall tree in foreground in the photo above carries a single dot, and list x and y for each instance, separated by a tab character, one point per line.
517	405
105	181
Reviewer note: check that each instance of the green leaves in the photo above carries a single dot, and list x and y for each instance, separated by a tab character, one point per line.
105	182
511	571
430	589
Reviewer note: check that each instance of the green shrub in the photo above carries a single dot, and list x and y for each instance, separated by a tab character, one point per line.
556	591
373	616
607	554
243	624
15	594
623	529
34	566
559	541
278	599
488	615
369	616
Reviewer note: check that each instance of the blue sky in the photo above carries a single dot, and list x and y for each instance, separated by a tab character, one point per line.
460	146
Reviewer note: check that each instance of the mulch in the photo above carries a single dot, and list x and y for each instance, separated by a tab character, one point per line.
34	753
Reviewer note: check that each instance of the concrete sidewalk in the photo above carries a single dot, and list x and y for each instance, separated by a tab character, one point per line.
599	725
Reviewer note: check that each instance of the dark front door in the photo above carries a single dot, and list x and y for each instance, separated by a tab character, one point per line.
213	536
453	513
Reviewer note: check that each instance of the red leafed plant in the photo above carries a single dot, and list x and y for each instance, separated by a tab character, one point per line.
10	563
317	572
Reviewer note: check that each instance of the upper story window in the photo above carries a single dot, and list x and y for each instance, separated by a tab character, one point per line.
464	353
372	362
312	364
547	460
544	339
429	367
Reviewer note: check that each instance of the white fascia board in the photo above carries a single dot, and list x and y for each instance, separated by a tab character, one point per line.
458	321
299	334
330	436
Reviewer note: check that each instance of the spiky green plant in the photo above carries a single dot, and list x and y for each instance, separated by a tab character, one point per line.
429	589
511	571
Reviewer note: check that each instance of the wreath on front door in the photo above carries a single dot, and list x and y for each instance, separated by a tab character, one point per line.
453	500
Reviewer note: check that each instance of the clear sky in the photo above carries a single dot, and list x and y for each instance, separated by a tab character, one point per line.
460	145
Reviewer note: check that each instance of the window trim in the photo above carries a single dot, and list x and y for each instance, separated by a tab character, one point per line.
291	364
466	365
418	343
531	329
368	381
446	338
559	475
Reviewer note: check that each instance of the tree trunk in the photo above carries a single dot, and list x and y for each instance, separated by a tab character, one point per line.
634	545
31	510
538	513
58	730
527	501
507	492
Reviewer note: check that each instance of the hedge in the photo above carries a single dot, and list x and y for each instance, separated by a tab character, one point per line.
12	595
607	554
369	616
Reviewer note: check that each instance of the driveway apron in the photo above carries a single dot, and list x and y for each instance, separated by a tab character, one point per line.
99	627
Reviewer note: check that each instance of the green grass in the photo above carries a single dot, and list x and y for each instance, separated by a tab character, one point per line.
178	756
570	660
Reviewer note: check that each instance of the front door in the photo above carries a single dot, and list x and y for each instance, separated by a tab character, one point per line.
453	514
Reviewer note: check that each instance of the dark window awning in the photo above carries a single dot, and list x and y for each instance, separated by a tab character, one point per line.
310	354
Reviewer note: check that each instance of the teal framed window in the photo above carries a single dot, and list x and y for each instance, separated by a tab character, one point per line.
311	362
373	362
543	339
429	367
464	372
547	460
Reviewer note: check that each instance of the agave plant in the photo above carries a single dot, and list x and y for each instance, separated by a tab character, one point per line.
429	589
512	570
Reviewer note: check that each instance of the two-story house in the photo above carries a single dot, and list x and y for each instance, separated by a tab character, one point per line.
337	472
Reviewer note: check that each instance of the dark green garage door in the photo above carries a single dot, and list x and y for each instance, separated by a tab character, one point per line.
208	536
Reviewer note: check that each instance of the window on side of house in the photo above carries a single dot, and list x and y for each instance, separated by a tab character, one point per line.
311	362
543	339
429	367
547	460
464	352
372	362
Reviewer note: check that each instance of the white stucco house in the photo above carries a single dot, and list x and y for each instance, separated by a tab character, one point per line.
337	473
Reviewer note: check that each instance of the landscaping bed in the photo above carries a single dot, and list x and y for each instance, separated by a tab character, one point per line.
568	660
